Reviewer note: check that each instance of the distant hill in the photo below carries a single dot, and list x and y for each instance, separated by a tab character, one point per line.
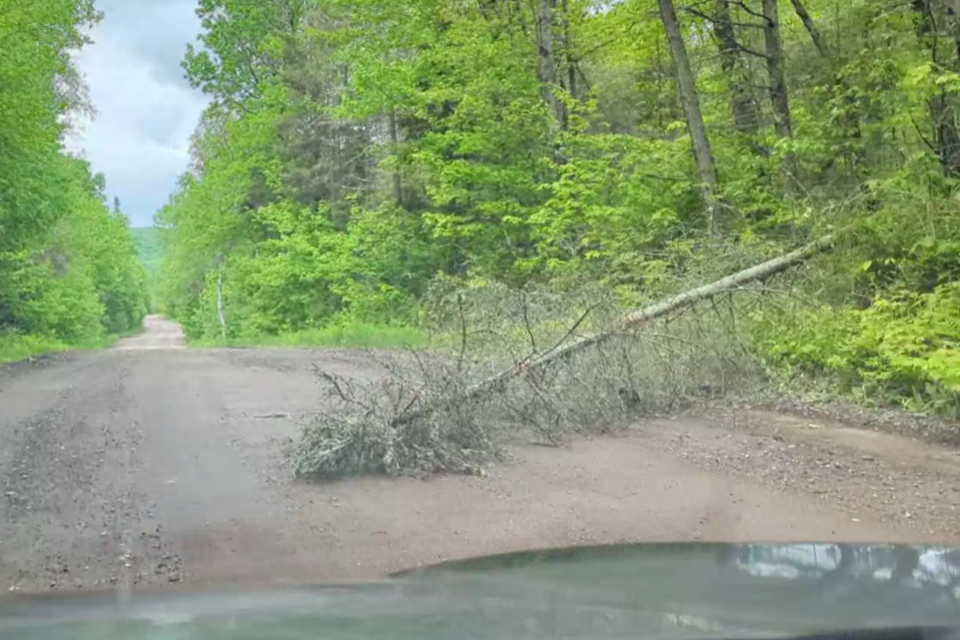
147	240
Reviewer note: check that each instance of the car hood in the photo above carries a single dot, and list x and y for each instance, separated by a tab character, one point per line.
623	591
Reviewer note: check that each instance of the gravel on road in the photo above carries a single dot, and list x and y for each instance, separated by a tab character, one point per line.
153	465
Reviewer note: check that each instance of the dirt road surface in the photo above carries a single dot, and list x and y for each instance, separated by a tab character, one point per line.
151	464
157	334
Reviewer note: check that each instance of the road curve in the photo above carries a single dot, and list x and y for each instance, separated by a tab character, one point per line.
151	464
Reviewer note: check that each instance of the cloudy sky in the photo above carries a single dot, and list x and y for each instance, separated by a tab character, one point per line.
146	111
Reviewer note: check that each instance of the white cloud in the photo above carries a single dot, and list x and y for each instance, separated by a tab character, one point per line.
146	112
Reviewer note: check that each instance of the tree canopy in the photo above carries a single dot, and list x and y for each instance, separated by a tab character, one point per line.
355	152
68	268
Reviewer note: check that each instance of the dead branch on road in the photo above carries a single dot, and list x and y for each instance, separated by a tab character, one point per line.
452	409
569	346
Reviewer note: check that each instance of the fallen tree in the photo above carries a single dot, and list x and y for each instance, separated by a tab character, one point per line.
572	345
445	411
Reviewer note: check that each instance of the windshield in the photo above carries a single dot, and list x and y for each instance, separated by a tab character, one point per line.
612	591
303	292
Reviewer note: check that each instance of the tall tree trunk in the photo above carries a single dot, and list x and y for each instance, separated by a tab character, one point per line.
946	136
221	315
932	20
395	143
570	63
547	63
743	104
773	48
691	109
809	25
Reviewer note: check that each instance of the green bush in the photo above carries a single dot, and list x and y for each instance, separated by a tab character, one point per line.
904	348
14	347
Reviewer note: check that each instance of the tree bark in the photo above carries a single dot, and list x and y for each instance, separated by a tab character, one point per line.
691	108
221	316
395	143
809	25
931	21
547	64
570	64
946	136
743	104
779	98
571	60
632	320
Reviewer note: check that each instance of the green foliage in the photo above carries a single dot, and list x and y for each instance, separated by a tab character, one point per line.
904	347
148	243
68	270
888	324
339	332
359	151
14	348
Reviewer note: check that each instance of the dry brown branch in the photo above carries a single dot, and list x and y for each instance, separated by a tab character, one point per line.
632	320
524	364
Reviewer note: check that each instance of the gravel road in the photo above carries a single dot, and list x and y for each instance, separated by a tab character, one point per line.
155	465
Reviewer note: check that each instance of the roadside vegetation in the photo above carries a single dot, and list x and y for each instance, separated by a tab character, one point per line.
345	333
69	274
496	179
356	154
149	246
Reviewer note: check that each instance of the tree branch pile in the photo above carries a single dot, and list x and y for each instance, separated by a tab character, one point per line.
538	365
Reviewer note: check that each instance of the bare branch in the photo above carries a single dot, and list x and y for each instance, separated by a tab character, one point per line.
752	52
705	16
753	12
526	324
924	138
334	382
523	363
810	27
678	303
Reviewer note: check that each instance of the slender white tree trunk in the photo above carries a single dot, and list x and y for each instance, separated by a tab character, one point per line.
220	312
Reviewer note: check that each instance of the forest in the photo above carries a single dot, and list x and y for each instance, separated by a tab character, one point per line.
359	156
356	153
69	274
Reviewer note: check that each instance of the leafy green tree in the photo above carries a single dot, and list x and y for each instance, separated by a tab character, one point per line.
357	150
67	269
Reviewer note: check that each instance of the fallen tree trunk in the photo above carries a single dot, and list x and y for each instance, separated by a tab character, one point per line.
631	320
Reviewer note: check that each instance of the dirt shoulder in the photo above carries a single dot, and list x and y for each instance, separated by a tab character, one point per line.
885	477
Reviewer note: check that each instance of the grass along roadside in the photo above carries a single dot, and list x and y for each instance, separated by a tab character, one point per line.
353	334
16	347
